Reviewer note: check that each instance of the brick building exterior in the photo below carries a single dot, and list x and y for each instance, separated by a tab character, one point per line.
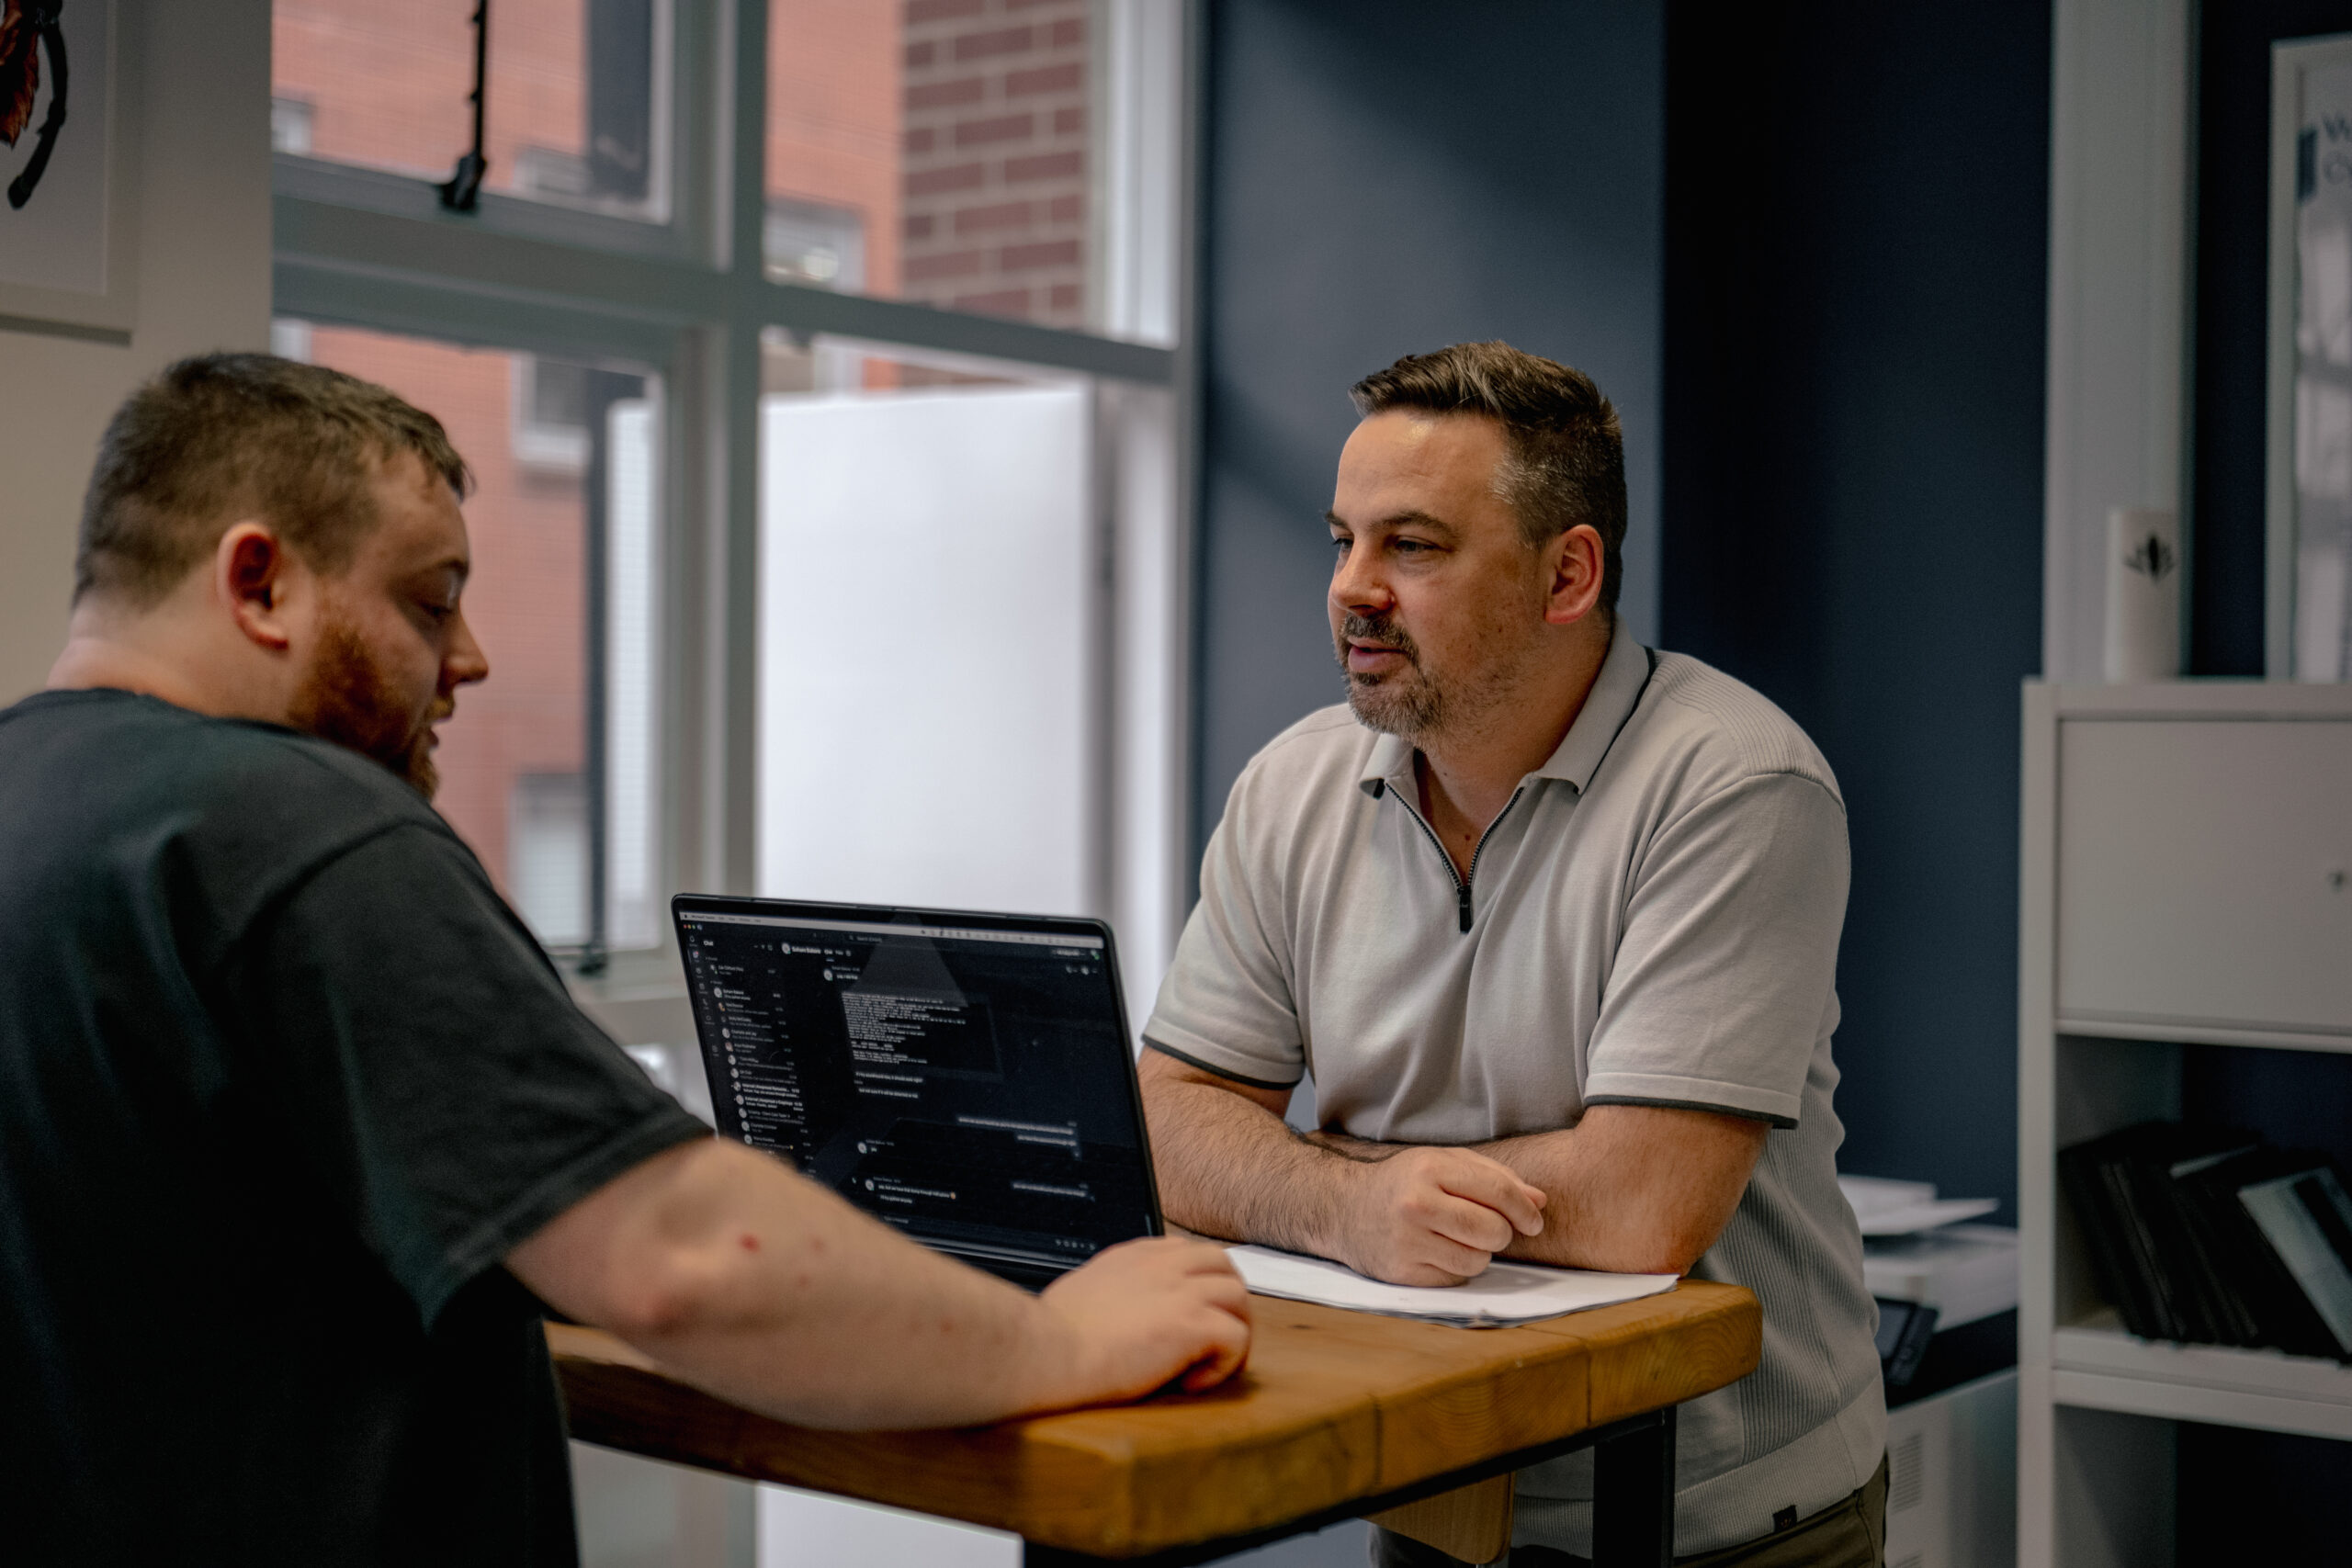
995	185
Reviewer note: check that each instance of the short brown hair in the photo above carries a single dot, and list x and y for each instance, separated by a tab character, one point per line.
228	435
1567	459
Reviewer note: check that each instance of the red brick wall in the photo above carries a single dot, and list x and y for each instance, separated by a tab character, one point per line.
388	82
833	85
996	157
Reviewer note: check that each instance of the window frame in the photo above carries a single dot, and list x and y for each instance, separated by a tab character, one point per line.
690	299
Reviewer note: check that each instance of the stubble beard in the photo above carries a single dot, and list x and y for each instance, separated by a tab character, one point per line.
1404	703
1435	708
346	699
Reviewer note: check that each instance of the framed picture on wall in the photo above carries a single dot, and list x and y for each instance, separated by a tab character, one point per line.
2309	491
68	241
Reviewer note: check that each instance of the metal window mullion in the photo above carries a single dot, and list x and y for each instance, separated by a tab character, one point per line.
423	308
1190	381
389	249
805	312
596	689
737	752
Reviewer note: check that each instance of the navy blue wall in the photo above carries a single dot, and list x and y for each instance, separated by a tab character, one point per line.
1385	177
1857	199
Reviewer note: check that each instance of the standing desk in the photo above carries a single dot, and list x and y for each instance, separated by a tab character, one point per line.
1338	1415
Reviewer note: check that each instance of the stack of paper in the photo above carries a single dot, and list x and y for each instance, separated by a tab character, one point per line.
1906	1208
1505	1294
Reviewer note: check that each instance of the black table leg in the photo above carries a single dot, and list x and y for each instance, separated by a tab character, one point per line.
1633	1491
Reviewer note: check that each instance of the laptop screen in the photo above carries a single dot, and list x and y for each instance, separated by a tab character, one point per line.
967	1078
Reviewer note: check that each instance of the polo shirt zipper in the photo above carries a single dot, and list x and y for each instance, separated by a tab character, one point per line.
1462	885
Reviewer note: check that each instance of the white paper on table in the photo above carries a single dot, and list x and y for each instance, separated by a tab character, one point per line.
1505	1294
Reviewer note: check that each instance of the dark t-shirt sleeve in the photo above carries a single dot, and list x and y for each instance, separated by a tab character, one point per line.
424	1065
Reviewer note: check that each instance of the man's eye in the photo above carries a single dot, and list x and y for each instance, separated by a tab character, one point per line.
1340	542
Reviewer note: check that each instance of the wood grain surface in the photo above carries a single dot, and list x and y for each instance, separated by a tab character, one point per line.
1334	1406
1470	1522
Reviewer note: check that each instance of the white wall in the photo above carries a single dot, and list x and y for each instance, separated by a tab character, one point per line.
2118	301
198	74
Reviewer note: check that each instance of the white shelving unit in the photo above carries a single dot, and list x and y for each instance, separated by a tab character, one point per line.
2185	880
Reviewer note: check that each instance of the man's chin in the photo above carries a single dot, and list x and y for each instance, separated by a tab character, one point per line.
1379	703
418	769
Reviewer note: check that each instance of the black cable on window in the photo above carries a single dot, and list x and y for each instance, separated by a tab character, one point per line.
461	192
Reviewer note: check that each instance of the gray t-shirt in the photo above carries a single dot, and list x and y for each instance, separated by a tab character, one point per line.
1653	921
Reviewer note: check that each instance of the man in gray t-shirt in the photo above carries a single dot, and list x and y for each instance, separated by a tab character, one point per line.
1552	921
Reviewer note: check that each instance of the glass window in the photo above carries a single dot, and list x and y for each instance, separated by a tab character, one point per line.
927	614
549	769
576	112
940	151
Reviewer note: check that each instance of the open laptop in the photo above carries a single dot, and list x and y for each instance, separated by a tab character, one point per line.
967	1078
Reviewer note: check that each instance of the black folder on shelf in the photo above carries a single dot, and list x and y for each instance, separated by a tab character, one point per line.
2208	1236
2124	1188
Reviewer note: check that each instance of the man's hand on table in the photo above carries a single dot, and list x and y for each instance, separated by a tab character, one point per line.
1427	1215
743	1278
1146	1311
1408	1215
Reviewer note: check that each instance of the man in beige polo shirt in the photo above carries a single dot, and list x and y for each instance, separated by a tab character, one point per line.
1552	921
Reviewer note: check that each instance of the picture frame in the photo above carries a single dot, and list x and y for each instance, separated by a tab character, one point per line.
69	208
2308	490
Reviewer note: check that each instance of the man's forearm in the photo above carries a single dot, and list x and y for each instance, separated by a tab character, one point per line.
1231	1169
1633	1189
1349	1147
843	1322
1229	1165
775	1294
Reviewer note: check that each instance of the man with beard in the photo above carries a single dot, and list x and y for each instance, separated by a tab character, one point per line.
1551	919
297	1126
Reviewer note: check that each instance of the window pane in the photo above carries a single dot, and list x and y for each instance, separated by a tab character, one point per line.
563	525
935	149
927	599
576	111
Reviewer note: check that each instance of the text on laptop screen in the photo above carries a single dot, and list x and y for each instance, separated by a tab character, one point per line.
967	1084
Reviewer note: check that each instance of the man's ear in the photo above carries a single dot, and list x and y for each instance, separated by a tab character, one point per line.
1575	561
250	569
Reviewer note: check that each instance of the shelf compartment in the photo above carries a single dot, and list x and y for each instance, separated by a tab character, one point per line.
2100	1366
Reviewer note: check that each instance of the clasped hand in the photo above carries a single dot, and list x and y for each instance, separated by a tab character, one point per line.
1435	1216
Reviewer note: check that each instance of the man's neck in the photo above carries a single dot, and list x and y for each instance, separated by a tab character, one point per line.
1468	778
155	657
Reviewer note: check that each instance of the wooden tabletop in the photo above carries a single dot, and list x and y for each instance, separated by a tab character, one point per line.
1334	1406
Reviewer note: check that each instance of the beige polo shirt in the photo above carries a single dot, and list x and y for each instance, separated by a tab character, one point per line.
1653	921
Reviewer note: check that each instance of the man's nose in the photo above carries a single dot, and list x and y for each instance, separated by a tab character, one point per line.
1357	582
466	664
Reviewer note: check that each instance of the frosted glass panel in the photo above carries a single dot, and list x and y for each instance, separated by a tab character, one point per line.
925	680
632	732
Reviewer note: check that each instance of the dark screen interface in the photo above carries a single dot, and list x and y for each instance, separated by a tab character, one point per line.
967	1084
